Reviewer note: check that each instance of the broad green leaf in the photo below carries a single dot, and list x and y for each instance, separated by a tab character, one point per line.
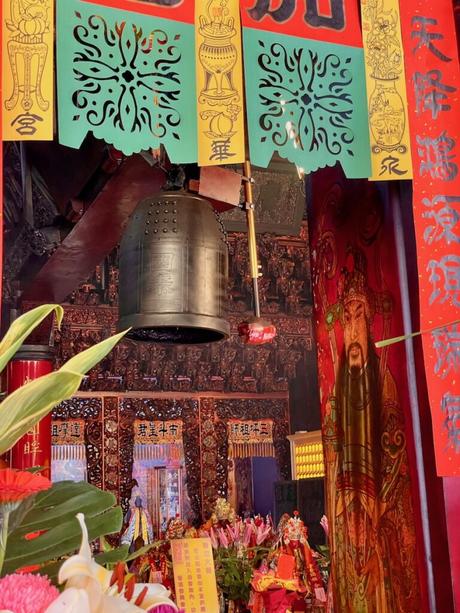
143	550
59	541
112	557
84	361
22	409
22	327
88	503
54	510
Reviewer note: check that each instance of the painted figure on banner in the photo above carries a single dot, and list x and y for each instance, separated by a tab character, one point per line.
219	83
367	434
29	53
367	467
387	100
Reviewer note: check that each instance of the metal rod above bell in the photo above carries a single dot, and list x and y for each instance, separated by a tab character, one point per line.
173	272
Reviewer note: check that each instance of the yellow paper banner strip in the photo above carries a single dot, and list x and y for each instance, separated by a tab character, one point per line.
194	575
386	90
219	75
27	69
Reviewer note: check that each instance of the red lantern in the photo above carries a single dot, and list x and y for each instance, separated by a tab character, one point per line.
34	448
257	332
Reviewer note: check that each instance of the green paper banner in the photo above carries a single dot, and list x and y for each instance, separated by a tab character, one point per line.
127	78
306	100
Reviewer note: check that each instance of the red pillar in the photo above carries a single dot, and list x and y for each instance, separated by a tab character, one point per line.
34	448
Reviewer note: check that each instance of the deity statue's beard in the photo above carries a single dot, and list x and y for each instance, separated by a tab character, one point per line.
359	401
355	365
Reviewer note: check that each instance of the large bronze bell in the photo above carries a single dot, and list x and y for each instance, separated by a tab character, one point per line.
173	272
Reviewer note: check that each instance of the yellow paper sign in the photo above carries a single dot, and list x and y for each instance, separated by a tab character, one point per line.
386	90
27	69
219	74
194	575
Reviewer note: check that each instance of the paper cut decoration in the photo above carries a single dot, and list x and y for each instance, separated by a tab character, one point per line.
386	90
306	100
219	72
27	69
126	77
433	90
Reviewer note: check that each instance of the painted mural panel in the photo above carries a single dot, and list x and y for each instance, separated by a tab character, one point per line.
363	399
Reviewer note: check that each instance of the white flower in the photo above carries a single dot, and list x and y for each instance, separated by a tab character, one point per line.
88	587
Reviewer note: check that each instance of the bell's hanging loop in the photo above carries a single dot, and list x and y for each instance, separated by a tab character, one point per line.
173	272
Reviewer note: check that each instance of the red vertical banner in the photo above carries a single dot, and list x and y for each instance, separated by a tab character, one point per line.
34	448
433	89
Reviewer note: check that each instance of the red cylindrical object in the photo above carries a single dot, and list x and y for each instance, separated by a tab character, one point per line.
34	448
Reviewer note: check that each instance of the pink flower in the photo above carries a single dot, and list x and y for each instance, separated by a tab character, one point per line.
213	537
262	532
248	531
223	538
26	593
325	524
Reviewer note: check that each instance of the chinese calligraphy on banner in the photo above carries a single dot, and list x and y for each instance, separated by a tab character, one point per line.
386	90
433	83
194	575
126	77
248	438
68	432
157	432
219	73
305	89
27	70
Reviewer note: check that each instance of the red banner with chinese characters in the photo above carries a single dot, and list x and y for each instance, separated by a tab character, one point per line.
433	89
329	21
176	10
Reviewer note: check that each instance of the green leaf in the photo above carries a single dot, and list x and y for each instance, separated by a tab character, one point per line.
22	327
112	557
24	408
58	541
143	550
55	511
87	503
84	361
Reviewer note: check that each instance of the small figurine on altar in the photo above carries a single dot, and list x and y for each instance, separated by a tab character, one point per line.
139	530
289	573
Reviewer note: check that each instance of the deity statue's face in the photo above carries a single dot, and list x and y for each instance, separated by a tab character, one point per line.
355	333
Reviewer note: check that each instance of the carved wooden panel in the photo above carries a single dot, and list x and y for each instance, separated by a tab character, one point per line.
89	409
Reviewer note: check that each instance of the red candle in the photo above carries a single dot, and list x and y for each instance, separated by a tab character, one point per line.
34	448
